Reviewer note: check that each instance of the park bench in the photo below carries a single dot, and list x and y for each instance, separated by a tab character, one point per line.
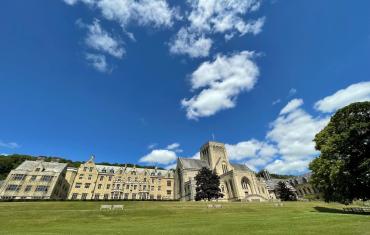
117	207
106	207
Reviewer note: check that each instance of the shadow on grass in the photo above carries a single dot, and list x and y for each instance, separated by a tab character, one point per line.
338	211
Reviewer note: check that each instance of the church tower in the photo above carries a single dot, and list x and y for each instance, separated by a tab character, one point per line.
215	155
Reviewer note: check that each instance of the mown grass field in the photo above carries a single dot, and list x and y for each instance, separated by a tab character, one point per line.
179	218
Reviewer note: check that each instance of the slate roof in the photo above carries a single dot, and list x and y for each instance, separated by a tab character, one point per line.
45	166
240	167
196	164
115	169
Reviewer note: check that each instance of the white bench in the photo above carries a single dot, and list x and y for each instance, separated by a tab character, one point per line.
117	207
106	207
214	206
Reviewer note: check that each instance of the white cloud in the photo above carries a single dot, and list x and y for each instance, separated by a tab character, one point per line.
160	156
73	2
196	155
154	13
243	149
11	145
221	82
171	166
354	93
191	44
276	101
292	133
100	40
254	153
98	62
222	15
151	146
208	17
288	167
291	106
292	91
173	146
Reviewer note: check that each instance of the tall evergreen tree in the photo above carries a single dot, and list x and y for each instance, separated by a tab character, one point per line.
342	171
208	185
284	192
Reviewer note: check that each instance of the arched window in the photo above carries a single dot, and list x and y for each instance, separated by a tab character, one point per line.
222	188
245	184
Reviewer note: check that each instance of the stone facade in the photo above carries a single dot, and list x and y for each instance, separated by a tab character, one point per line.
237	181
106	182
36	180
299	185
303	188
52	180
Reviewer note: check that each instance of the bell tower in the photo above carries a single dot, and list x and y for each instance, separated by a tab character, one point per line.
215	155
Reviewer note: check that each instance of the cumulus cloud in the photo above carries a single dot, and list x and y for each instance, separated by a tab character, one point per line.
296	167
192	44
254	153
160	156
100	40
154	13
291	106
354	93
293	133
149	13
98	62
220	81
11	145
208	17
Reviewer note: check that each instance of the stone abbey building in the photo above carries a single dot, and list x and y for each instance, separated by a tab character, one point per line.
237	181
53	180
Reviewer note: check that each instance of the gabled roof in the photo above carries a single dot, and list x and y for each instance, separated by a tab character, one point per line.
196	164
240	167
45	166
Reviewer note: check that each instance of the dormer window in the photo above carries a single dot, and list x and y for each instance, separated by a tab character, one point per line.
37	169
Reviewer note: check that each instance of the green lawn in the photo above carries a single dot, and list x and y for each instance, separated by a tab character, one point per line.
179	218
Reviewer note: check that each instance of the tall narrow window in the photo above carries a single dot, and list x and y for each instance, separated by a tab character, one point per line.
224	167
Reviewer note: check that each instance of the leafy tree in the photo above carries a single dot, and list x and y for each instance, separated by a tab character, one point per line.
342	171
208	185
285	193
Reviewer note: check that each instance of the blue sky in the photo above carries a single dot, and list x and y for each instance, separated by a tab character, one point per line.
148	81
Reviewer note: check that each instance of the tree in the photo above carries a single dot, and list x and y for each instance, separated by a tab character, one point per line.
284	192
342	171
208	185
